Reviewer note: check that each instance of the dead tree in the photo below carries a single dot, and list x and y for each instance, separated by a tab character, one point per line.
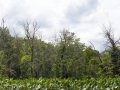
30	33
114	50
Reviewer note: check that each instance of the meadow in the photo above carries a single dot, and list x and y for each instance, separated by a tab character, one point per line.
61	84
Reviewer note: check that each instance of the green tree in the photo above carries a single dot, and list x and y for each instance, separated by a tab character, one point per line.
10	60
70	54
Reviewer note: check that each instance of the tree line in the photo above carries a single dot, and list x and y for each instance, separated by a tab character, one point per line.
68	57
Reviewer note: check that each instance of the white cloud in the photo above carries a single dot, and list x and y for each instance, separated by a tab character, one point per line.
53	15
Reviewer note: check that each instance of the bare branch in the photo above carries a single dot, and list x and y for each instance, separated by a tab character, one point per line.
97	52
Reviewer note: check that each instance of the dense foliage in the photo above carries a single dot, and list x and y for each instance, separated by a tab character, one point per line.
67	57
61	84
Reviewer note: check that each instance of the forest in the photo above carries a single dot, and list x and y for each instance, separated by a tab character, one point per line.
31	63
66	57
59	45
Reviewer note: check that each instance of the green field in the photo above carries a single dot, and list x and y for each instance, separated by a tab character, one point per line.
61	84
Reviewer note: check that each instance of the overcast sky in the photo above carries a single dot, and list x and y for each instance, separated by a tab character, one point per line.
84	17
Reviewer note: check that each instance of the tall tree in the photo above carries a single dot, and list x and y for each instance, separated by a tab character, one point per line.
30	32
70	54
115	50
6	47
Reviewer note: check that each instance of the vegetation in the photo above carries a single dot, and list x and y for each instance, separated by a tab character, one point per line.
30	56
61	84
63	65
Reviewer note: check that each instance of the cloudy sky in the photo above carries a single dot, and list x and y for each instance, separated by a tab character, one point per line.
84	17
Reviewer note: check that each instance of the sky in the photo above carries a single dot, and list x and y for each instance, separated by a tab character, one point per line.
84	17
